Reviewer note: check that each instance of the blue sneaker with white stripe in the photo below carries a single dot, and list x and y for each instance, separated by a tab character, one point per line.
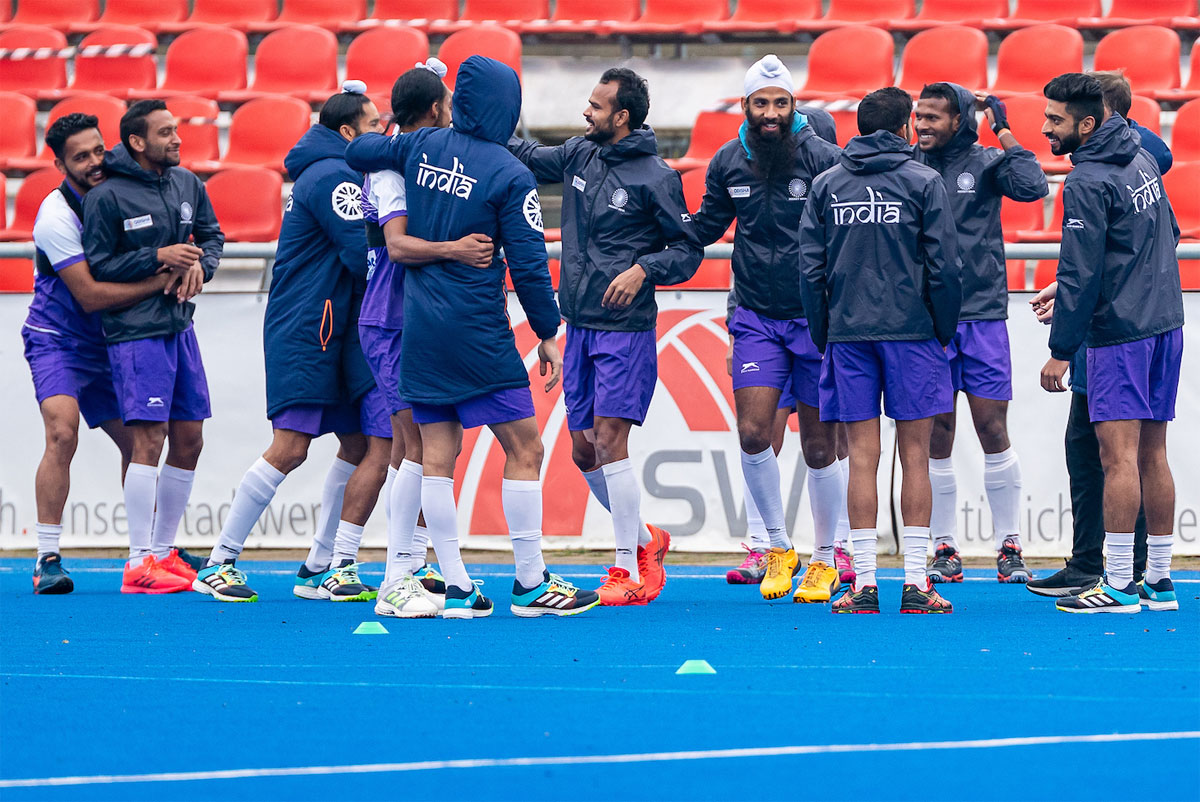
1158	596
554	596
1103	598
466	603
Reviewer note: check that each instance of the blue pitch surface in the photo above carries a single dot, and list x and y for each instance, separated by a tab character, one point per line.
142	685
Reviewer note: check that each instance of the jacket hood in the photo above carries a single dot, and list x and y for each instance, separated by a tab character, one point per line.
875	153
968	126
641	142
487	100
317	143
119	161
1113	143
799	125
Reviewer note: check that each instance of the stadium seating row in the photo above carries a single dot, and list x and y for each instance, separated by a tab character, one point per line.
606	17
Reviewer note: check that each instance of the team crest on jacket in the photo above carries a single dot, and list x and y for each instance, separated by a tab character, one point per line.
966	183
532	208
873	210
797	188
347	201
619	199
185	212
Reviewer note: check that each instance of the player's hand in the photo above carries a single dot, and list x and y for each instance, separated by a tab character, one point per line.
180	256
729	358
1043	303
190	284
551	359
1052	375
624	288
473	250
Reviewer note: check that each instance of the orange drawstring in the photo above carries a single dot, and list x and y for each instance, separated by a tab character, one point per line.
327	314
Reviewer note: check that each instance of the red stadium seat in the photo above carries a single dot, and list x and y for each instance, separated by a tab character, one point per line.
262	132
18	135
1030	57
1044	273
1127	13
379	55
1037	12
1189	274
693	196
32	192
142	13
1145	111
711	130
1149	54
862	12
585	16
26	74
1185	133
107	109
5	12
767	16
952	12
950	53
114	75
248	202
1016	275
413	13
203	62
331	14
56	13
1182	185
16	275
4	205
508	13
197	127
1017	217
225	13
832	75
1189	92
484	40
846	122
674	17
713	274
277	71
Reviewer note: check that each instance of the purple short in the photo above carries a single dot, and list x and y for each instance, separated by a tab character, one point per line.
775	353
381	347
1137	380
912	375
980	362
160	378
608	374
368	415
64	365
500	406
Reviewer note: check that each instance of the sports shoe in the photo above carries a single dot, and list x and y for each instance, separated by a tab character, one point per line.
618	589
554	596
430	579
863	600
341	584
782	565
1010	568
751	571
149	576
178	566
946	565
1158	596
308	583
49	577
407	598
650	561
923	601
1102	598
193	562
466	603
844	565
224	582
820	582
1066	582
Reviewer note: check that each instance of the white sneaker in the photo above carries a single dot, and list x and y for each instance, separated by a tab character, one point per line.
407	598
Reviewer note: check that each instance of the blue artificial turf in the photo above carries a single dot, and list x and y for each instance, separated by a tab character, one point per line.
101	683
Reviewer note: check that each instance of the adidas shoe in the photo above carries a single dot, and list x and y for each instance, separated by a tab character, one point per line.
342	584
1158	596
193	562
49	577
650	561
308	583
863	600
946	565
430	579
922	601
224	582
1010	568
148	576
466	603
844	565
751	571
554	596
782	565
1102	599
178	566
407	598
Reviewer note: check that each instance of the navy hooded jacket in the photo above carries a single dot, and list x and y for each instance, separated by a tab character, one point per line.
310	331
457	342
878	252
126	220
1118	274
976	178
1153	144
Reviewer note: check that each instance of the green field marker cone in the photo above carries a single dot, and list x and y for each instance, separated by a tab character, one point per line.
370	628
696	667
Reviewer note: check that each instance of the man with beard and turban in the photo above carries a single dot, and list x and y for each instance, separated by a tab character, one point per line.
762	179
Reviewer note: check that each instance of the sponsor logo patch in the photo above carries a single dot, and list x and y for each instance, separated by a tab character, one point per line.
739	192
579	183
750	367
136	223
155	402
1073	222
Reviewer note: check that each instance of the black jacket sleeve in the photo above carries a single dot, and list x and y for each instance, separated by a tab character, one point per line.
681	258
206	231
943	267
525	251
546	162
1020	177
1080	264
716	210
102	237
814	266
371	152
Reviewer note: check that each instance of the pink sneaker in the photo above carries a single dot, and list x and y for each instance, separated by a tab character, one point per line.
751	571
844	565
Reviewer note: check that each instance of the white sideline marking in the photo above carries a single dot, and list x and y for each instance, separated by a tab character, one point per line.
580	760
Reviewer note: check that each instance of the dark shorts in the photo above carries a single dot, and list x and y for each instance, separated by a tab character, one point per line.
610	374
381	347
775	353
62	365
913	376
1135	381
160	378
980	361
501	406
369	416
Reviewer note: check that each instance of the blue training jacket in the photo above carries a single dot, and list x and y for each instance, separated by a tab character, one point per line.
457	342
310	331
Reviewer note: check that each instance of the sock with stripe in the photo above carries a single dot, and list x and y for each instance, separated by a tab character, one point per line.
522	500
756	530
420	549
346	542
826	496
140	483
405	503
599	488
1118	559
842	536
255	492
761	472
320	554
174	490
942	525
47	538
626	499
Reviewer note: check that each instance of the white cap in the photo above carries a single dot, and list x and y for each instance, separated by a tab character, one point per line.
354	88
767	71
433	65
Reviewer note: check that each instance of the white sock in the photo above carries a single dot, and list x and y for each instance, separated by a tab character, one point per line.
826	496
945	498
420	548
1118	559
441	517
599	487
320	554
405	504
916	546
1002	481
174	490
140	482
346	541
756	531
253	495
761	472
626	499
1158	557
843	525
522	500
864	542
47	539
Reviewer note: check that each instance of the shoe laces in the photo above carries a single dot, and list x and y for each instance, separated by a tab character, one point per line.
557	583
775	563
613	579
347	575
232	575
812	577
753	558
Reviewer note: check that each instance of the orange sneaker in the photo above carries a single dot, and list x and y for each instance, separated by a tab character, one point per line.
177	566
650	561
149	576
618	589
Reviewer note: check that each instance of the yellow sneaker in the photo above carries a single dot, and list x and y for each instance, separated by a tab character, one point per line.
781	567
820	582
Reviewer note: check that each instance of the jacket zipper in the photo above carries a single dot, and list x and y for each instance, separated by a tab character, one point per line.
770	193
591	219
